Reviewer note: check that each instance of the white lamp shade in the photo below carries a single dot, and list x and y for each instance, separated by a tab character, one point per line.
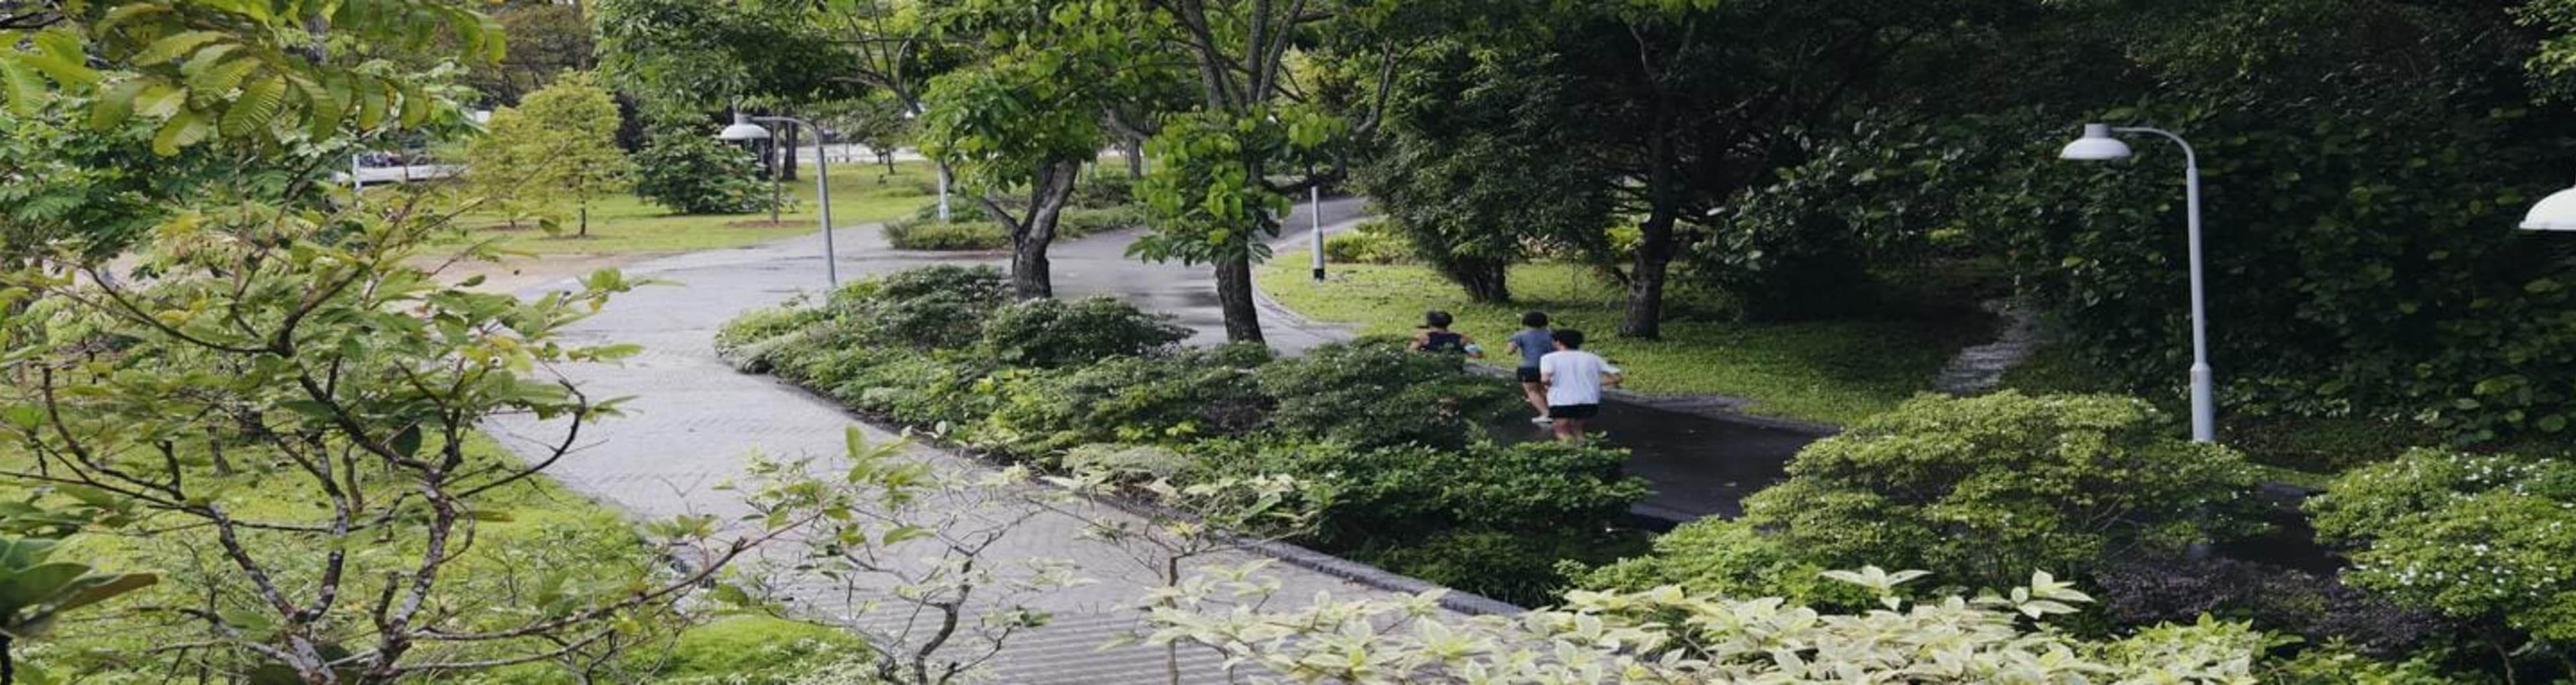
2554	213
2097	144
742	129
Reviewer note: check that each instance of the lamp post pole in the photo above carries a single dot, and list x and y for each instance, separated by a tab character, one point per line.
743	129
2099	144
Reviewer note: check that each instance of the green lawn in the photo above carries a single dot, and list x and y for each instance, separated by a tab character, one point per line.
625	223
1829	371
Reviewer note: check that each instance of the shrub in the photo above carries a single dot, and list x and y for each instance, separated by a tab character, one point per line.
1371	243
1079	221
960	235
1373	393
1051	332
1163	399
753	341
1394	492
690	173
2478	537
1977	488
1111	190
928	307
1723	557
1515	567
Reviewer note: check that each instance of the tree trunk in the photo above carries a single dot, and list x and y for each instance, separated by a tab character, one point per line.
1135	150
1234	296
1483	279
584	231
787	152
1030	275
1645	315
8	661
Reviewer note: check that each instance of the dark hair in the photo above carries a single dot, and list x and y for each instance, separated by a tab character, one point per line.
1534	319
1570	338
1437	319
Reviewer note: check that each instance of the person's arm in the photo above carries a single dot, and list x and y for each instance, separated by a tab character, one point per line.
1419	339
1612	375
1546	371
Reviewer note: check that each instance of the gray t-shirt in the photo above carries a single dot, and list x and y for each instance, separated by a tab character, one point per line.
1535	343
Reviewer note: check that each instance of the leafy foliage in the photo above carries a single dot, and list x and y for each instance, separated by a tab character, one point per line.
1667	635
249	72
692	174
1372	242
1054	333
2478	537
1180	397
559	144
1975	487
1375	393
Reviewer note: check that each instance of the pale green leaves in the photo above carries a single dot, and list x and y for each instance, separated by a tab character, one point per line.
240	71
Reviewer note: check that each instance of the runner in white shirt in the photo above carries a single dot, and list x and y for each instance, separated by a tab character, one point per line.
1573	379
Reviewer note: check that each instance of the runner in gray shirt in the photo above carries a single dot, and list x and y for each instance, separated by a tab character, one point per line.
1532	342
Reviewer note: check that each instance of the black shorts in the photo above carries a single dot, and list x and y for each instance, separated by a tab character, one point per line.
1529	374
1573	411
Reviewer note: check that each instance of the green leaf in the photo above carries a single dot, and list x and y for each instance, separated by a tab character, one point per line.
182	130
174	46
113	107
255	107
407	442
20	85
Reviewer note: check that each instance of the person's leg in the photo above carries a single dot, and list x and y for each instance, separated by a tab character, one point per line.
1537	396
1569	430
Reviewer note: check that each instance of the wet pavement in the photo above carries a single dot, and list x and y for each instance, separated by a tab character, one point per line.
1699	466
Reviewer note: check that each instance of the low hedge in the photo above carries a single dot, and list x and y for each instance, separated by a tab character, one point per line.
973	232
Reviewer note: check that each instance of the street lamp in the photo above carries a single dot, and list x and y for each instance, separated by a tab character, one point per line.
743	130
2554	213
2097	144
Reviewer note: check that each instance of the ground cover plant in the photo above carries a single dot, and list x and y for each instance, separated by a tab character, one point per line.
1394	439
626	223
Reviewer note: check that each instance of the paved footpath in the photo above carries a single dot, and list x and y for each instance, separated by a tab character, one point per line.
694	422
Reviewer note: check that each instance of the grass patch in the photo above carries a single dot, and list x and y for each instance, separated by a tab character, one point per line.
1824	371
529	529
624	223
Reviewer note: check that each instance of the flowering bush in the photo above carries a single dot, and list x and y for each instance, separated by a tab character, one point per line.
2481	537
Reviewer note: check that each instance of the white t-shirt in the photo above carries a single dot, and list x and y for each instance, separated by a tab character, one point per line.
1574	377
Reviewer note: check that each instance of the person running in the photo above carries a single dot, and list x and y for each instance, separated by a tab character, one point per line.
1532	343
1574	379
1436	336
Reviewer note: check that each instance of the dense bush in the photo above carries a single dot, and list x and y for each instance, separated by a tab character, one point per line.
1161	399
1393	491
1053	332
1374	393
2485	538
1978	488
1479	519
1371	243
690	173
957	235
923	308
